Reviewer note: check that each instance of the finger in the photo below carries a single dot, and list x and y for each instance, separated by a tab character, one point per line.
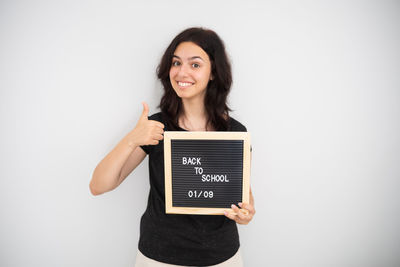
246	218
244	211
251	198
248	207
145	112
230	215
241	214
157	130
235	209
158	137
154	142
157	124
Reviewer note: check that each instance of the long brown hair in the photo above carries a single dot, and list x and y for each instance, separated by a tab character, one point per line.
217	89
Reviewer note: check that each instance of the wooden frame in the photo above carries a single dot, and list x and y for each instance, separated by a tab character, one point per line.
171	135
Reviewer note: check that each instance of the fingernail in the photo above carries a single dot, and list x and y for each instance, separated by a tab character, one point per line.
240	204
225	212
232	206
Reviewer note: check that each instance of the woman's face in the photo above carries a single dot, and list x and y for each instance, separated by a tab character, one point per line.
190	71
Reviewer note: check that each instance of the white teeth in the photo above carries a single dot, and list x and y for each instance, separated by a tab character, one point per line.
184	84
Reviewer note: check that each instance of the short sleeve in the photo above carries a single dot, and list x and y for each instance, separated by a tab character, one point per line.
236	126
146	149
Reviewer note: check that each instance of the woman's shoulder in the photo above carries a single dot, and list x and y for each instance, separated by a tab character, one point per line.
157	117
236	126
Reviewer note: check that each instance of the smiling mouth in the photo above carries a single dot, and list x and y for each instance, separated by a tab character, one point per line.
184	84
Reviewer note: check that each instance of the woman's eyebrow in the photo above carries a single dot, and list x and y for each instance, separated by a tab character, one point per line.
191	58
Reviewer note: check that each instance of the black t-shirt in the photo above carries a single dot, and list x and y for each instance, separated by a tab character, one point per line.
191	240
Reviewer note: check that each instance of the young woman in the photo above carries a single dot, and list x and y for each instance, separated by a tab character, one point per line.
196	75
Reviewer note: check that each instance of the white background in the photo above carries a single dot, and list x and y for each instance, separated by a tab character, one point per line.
316	83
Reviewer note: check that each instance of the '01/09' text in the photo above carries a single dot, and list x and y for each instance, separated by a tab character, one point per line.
198	194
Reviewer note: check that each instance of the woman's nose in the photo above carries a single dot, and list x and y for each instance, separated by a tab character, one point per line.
183	70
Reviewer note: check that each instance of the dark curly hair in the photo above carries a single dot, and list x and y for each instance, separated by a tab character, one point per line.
217	89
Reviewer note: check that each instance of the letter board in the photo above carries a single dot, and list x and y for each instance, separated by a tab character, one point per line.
206	172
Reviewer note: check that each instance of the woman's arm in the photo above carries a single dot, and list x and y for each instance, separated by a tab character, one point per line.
115	167
127	155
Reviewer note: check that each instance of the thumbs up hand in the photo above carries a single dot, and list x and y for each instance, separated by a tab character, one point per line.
147	132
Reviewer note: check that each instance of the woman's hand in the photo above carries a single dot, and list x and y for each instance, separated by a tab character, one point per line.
146	132
244	214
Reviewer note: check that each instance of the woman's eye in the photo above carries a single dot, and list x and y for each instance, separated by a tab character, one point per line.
195	65
175	63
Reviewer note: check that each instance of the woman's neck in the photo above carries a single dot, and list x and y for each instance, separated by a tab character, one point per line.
194	116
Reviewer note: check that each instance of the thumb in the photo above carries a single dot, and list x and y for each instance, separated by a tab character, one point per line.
145	112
